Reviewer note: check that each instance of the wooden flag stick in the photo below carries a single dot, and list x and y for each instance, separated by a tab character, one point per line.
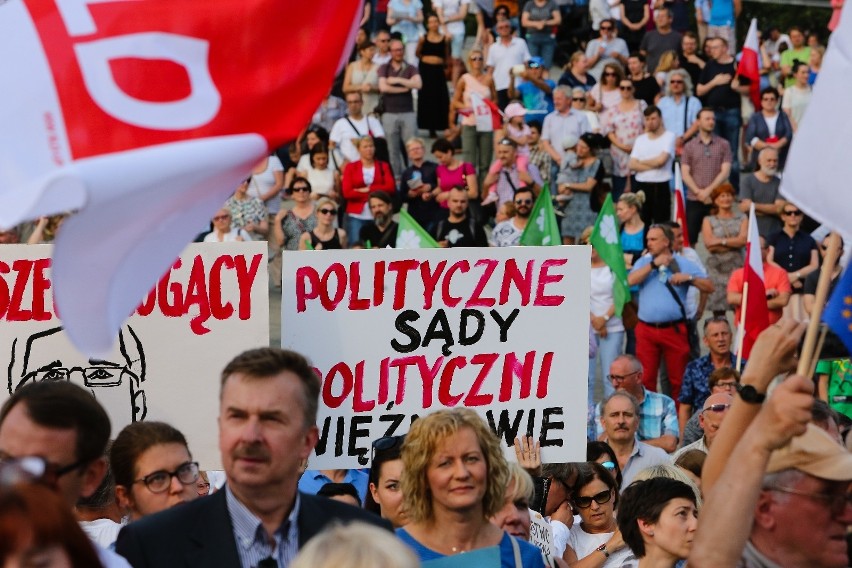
830	260
823	330
741	329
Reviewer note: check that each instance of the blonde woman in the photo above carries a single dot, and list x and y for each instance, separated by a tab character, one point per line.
325	236
356	545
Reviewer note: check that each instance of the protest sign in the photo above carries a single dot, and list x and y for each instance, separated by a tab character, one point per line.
395	334
165	364
541	533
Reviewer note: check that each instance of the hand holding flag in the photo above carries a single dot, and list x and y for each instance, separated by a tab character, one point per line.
542	227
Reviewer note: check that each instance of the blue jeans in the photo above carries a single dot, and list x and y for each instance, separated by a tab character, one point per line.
728	124
609	348
353	229
542	45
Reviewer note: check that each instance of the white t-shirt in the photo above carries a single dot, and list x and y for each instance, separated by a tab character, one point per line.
585	543
646	148
451	8
102	532
345	137
601	297
264	181
503	57
230	237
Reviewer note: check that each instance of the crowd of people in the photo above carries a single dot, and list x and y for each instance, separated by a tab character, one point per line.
684	442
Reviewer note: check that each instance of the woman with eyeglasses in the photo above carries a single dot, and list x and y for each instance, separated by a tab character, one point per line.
658	519
361	178
153	469
325	236
579	102
576	73
222	231
455	480
768	128
290	224
385	496
622	123
477	147
606	94
724	232
795	251
596	540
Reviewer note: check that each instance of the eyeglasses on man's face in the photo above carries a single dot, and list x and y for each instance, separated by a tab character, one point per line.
14	470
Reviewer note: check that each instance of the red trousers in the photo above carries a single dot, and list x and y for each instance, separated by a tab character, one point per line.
670	343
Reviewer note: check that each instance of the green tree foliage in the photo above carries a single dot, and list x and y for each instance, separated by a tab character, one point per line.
813	20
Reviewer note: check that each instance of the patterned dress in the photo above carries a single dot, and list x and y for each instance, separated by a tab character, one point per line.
720	265
578	212
627	127
294	226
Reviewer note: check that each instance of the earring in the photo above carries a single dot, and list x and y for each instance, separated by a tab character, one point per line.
651	533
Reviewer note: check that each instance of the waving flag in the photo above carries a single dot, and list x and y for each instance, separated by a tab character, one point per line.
143	116
750	64
410	235
754	316
606	241
680	205
542	227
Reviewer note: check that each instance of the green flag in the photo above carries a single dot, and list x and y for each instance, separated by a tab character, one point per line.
606	241
410	235
542	227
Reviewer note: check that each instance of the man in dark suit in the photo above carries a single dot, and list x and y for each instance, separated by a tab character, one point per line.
267	427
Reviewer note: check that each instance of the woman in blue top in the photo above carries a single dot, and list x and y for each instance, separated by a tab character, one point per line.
455	479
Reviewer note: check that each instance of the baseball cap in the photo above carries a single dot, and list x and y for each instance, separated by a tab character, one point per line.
514	109
815	453
535	62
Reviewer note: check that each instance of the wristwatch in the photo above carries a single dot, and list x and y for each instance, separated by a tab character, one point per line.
602	548
749	394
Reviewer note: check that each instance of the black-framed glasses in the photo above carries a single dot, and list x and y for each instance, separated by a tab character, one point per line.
727	385
619	378
33	468
328	211
599	498
837	502
793	213
676	82
385	444
159	481
717	408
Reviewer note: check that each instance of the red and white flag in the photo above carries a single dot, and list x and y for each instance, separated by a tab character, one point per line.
142	117
680	205
749	66
755	313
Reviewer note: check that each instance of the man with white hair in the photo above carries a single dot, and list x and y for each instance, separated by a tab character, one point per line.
563	122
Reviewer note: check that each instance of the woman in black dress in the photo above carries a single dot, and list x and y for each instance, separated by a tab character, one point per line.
325	236
433	101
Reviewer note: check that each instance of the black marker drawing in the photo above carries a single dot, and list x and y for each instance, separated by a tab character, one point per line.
34	359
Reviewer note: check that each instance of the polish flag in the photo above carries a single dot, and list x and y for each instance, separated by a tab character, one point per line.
754	317
750	64
680	205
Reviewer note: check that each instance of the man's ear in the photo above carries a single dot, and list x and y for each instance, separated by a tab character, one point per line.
92	476
763	516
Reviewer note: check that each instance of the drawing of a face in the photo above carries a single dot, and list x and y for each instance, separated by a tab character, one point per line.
115	381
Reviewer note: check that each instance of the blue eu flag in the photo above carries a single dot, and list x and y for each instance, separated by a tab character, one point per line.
838	313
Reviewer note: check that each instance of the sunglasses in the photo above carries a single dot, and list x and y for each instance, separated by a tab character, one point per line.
676	82
721	407
608	465
477	58
606	28
523	201
579	99
385	444
534	66
625	87
300	188
793	213
221	217
769	99
599	498
608	74
328	211
33	469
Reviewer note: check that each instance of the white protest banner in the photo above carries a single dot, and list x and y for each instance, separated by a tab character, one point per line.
541	533
165	365
395	334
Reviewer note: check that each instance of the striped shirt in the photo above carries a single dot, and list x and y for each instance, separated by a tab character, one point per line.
253	544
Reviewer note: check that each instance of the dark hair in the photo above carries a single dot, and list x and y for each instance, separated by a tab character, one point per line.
380	458
381	196
525	189
588	472
770	91
596	449
798	65
335	489
692	461
321	148
664	9
134	440
35	516
299	179
268	362
442	145
638	55
716	319
653	109
62	405
366	44
104	495
645	500
561	471
822	414
706	109
690	34
535	124
667	230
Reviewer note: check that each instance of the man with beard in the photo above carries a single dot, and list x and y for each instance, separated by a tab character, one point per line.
620	420
460	229
695	387
508	233
381	232
267	428
761	189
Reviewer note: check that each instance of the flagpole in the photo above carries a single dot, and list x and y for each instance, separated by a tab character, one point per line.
823	330
741	328
828	264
